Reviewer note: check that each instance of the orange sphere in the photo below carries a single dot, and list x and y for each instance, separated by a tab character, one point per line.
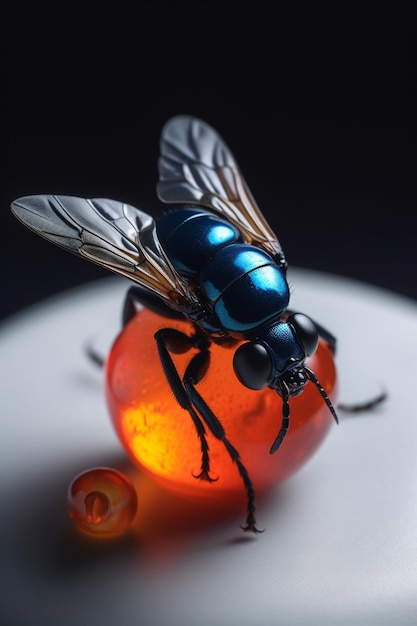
160	436
102	502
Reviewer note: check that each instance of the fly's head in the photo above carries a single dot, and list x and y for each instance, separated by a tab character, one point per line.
276	358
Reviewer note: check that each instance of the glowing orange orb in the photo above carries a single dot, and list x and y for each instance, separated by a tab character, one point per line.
102	502
160	436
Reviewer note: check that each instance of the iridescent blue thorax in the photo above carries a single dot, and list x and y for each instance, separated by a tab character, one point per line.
283	347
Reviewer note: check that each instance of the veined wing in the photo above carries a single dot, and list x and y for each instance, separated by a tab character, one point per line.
112	234
196	166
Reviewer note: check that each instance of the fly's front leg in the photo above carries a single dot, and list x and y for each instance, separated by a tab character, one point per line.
194	374
171	340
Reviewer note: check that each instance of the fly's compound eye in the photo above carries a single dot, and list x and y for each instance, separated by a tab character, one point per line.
305	331
253	365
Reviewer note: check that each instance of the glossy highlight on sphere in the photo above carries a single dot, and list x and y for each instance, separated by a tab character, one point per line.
159	435
102	502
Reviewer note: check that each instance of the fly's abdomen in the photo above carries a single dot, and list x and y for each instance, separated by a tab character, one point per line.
245	288
190	237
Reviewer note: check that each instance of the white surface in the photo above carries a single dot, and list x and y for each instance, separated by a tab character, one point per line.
341	541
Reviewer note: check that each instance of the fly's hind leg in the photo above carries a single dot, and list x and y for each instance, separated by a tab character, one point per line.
137	297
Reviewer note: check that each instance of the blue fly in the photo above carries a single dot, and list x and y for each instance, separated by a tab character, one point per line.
213	260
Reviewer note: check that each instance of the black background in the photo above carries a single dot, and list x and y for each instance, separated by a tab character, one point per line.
316	100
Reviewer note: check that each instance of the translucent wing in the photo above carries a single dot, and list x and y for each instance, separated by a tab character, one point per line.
109	233
196	166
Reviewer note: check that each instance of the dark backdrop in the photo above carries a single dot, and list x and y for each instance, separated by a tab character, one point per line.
315	99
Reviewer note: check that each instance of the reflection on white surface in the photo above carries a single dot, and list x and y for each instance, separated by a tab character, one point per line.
341	539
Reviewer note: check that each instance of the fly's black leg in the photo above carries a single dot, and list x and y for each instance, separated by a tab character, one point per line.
331	341
129	309
367	405
94	356
193	375
171	340
135	298
138	296
327	336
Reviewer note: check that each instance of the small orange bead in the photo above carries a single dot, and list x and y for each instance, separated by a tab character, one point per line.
102	502
160	436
